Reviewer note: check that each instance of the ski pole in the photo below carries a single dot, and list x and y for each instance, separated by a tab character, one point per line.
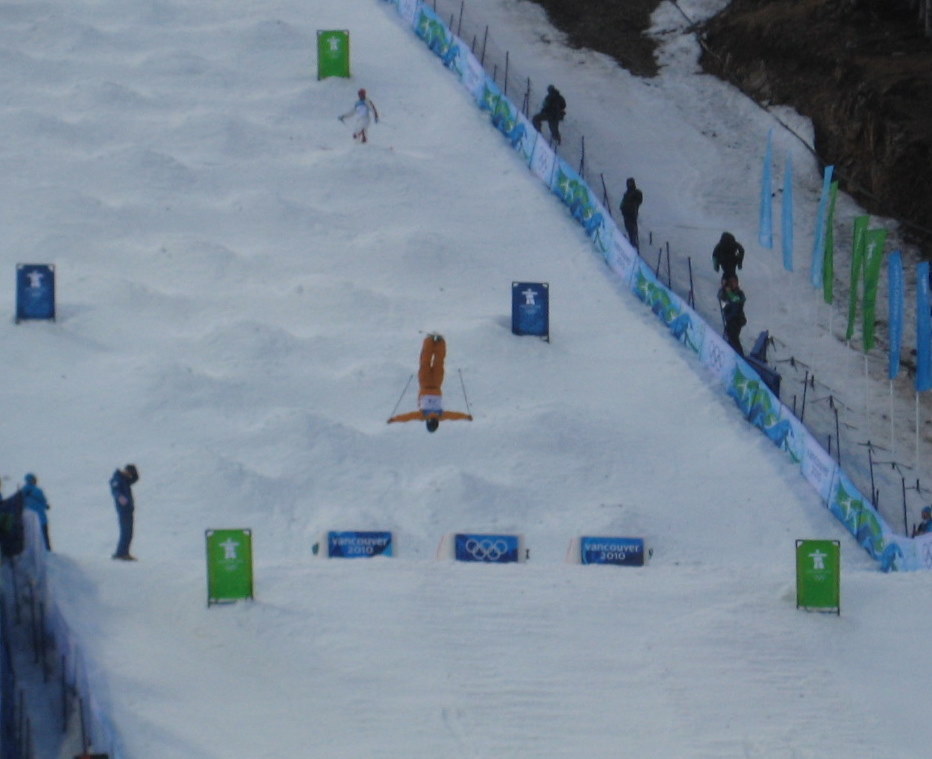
463	385
400	397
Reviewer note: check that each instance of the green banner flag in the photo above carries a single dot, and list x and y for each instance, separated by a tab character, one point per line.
876	239
229	565
332	53
828	259
858	246
818	575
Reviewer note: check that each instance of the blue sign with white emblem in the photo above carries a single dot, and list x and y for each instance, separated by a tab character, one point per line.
35	291
625	551
530	309
358	545
491	549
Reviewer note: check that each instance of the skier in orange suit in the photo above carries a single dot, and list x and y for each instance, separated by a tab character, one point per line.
430	378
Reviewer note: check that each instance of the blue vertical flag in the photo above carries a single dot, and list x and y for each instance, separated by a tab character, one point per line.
895	307
923	329
766	197
818	244
788	214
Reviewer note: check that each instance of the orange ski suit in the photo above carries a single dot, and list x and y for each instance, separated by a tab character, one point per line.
430	379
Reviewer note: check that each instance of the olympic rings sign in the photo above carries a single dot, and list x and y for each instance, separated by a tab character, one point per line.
490	549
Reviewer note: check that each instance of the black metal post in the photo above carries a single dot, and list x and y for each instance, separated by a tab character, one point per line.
507	63
905	515
691	298
605	201
64	696
802	413
837	432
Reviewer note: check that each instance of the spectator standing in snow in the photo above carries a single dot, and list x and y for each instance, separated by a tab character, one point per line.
925	526
121	487
732	300
630	203
361	112
34	500
430	379
552	110
728	256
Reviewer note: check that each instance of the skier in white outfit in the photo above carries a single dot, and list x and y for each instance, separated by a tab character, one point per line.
361	112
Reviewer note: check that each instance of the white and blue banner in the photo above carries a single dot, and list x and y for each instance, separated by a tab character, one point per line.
619	254
432	29
786	237
472	75
578	198
35	291
818	467
530	308
765	233
628	552
358	545
407	9
487	549
895	306
543	161
818	243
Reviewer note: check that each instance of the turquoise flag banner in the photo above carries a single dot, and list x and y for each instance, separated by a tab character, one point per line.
818	243
923	330
787	217
895	310
828	262
766	197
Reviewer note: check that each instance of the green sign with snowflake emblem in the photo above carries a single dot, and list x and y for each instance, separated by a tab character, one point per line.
818	574
229	565
332	53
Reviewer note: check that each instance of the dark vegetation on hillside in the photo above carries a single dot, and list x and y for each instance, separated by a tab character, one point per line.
861	70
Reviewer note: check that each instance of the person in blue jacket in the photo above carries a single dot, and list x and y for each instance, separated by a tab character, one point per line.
121	487
34	499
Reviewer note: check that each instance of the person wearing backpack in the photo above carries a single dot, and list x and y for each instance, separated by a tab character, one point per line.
553	111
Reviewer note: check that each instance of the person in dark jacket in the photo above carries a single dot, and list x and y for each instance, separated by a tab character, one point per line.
925	526
34	500
630	203
732	301
121	487
553	110
728	256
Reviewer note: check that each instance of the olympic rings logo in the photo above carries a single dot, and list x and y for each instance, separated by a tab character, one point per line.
486	549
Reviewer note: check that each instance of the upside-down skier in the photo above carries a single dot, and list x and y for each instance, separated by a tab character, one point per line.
430	379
